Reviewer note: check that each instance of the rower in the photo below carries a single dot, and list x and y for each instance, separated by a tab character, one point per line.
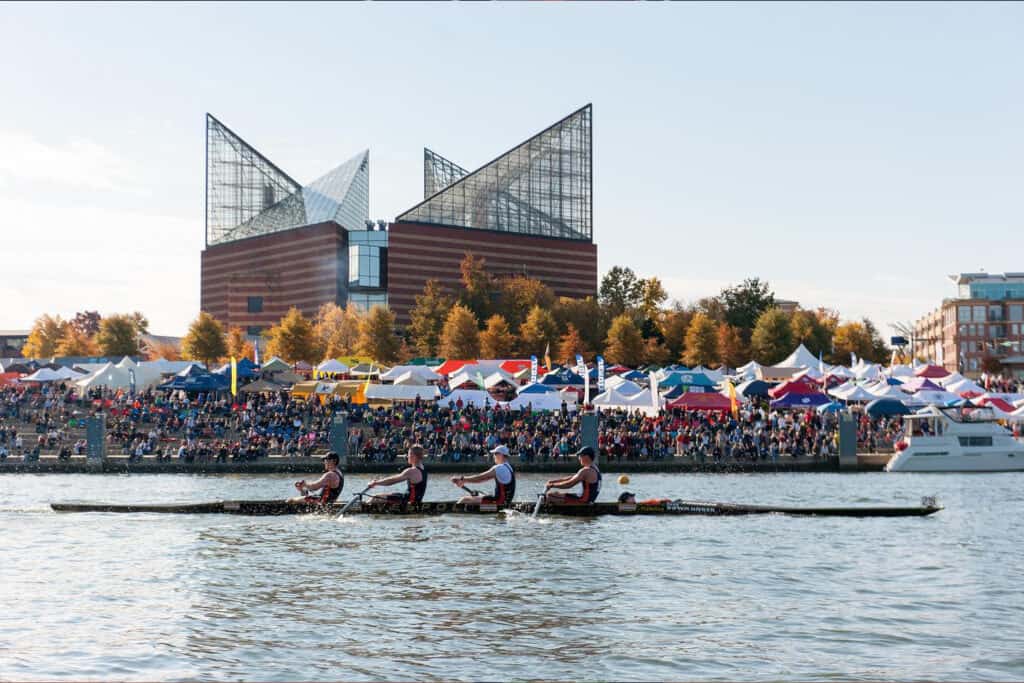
504	480
588	476
414	476
330	483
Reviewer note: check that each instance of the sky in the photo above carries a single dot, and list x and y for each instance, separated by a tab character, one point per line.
852	155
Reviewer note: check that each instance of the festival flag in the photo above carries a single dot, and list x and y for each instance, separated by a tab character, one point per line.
547	356
234	377
600	374
734	405
533	369
360	396
479	379
581	368
256	352
652	383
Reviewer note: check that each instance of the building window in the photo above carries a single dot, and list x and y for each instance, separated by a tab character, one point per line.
1016	312
254	304
979	314
963	314
253	330
365	302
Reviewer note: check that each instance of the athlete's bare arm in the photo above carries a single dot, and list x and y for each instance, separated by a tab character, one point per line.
477	478
566	483
408	474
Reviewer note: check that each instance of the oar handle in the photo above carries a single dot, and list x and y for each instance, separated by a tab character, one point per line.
471	492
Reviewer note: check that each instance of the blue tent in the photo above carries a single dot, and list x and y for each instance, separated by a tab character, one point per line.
633	375
886	407
194	378
694	381
246	369
563	377
536	388
892	381
676	368
792	400
832	407
754	387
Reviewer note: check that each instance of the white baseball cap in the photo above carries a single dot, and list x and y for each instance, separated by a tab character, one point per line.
500	449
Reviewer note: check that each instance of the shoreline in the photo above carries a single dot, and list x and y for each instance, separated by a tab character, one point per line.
284	465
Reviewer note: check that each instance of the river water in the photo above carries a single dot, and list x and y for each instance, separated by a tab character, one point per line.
217	597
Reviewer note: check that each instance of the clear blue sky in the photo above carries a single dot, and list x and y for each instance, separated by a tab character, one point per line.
852	155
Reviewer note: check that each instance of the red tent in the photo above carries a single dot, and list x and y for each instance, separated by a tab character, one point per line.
693	400
450	367
931	371
616	369
515	366
998	403
803	385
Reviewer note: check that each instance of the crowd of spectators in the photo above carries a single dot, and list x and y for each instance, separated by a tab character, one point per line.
210	427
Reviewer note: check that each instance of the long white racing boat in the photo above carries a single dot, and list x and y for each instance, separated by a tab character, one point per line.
951	440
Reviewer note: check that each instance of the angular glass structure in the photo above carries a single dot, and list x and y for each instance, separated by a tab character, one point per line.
247	195
543	187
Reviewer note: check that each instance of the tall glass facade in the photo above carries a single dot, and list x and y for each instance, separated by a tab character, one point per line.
542	187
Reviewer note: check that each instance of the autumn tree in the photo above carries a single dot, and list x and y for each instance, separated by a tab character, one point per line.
586	315
165	350
807	329
652	296
571	344
519	295
204	340
620	290
47	332
860	338
732	351
237	345
426	319
538	332
771	340
337	329
624	344
880	352
76	343
377	338
460	336
478	287
497	340
701	342
294	339
119	335
674	324
655	353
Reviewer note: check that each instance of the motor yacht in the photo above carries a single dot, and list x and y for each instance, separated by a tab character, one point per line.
956	440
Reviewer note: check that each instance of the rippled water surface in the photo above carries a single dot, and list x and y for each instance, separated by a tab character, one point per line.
157	597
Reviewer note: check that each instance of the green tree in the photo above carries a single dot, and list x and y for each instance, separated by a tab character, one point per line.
497	340
87	322
652	297
47	332
294	339
140	322
624	344
204	340
771	340
744	303
377	338
620	290
478	287
118	335
701	342
538	332
570	344
880	352
426	319
519	295
731	349
76	343
460	336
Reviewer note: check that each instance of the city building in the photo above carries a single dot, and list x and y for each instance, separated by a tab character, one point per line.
983	322
273	243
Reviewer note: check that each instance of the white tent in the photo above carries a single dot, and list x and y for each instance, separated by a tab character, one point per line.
811	371
68	373
839	371
570	397
885	390
715	376
163	366
750	370
477	397
332	366
611	399
44	375
645	399
422	371
549	401
933	397
411	379
963	386
626	387
800	358
113	377
948	379
127	362
848	392
864	370
901	371
500	377
401	392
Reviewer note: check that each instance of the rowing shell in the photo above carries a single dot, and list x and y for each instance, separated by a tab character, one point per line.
665	507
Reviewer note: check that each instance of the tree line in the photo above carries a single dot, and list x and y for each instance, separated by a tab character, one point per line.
510	315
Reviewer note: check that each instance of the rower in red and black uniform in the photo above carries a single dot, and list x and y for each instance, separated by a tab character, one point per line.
588	476
502	474
414	476
330	483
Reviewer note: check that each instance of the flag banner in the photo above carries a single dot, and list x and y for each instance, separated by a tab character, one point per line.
256	352
234	377
600	374
652	380
533	369
734	405
480	380
581	367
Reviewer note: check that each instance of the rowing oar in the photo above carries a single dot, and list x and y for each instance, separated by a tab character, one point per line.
353	501
472	492
540	501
